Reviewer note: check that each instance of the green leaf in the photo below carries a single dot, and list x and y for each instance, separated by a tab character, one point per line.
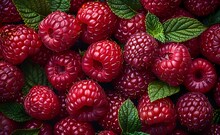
154	27
212	19
32	11
137	133
216	118
34	131
128	117
62	5
158	90
14	111
34	75
123	8
182	29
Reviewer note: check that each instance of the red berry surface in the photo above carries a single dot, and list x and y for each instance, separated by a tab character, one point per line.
98	21
75	5
42	103
59	31
7	126
216	93
63	112
193	46
63	69
86	101
213	130
201	76
172	63
106	132
102	61
179	132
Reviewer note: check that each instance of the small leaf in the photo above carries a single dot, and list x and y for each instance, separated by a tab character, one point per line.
34	75
62	5
216	118
212	19
182	29
34	131
14	111
158	90
123	8
138	133
128	117
154	27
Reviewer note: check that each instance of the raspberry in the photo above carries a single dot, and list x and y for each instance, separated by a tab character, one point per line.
179	132
140	50
59	31
63	112
7	126
106	132
201	76
63	69
210	43
172	63
217	93
86	101
18	42
193	46
11	81
42	103
102	61
201	7
98	21
128	27
132	83
75	5
194	111
70	126
213	130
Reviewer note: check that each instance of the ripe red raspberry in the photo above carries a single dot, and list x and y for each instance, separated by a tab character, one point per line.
127	27
63	69
160	7
42	103
210	43
110	119
7	126
213	130
59	31
217	93
98	21
75	5
106	132
63	112
8	12
11	81
193	46
201	7
86	101
140	50
201	76
45	128
194	111
172	63
132	83
18	42
70	126
102	61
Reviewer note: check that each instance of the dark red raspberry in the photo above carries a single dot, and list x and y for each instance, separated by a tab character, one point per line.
98	21
42	103
193	46
86	101
140	50
7	126
160	7
132	83
127	27
20	98
70	126
8	12
201	76
201	7
110	120
213	130
179	132
11	81
210	43
63	69
158	117
102	61
45	128
75	5
18	42
59	31
172	63
106	132
217	93
194	111
63	112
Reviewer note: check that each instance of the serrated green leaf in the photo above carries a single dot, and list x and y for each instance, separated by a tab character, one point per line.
14	111
216	118
154	27
182	29
212	19
158	90
137	133
128	117
32	11
34	75
26	131
62	5
123	8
